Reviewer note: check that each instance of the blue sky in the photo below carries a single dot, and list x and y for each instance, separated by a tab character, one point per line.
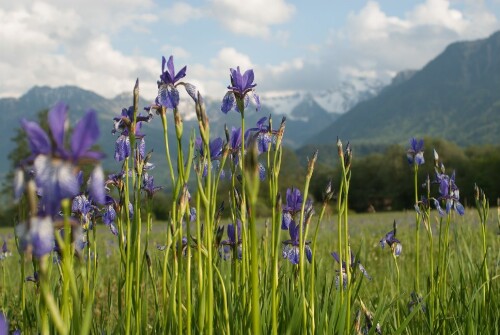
292	45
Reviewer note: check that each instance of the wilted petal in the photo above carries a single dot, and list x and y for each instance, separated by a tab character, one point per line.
308	253
113	229
192	91
459	208
363	271
438	207
286	220
228	102
256	101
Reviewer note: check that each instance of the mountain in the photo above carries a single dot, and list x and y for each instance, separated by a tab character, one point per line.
456	96
306	113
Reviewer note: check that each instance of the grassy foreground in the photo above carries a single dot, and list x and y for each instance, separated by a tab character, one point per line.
378	295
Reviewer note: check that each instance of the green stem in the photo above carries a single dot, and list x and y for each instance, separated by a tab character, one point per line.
397	290
164	123
417	233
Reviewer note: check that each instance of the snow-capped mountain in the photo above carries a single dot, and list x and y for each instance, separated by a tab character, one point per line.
337	100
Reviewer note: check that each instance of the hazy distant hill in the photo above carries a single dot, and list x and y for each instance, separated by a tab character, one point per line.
456	96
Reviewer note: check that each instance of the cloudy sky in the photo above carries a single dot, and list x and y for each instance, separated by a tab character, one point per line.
103	45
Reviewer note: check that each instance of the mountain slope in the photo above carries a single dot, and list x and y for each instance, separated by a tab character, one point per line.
455	96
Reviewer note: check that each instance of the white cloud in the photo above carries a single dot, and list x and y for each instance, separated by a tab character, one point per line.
293	65
252	18
51	43
210	80
374	44
56	42
176	51
182	12
383	42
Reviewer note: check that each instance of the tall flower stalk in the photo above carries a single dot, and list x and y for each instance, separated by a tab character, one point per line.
345	159
237	98
415	157
483	208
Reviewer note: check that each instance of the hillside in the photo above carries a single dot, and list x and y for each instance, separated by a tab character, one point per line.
456	96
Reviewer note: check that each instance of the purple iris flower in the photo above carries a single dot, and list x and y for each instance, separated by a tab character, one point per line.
233	243
123	123
291	246
352	264
82	208
148	185
263	135
391	240
37	234
168	76
216	150
168	95
84	135
109	215
56	181
126	118
449	193
4	252
54	163
292	207
215	147
241	86
415	153
116	180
